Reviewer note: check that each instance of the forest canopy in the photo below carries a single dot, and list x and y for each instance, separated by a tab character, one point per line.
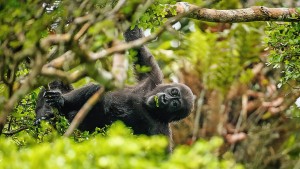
240	58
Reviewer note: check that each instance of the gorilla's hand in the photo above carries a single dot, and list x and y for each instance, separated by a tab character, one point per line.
54	98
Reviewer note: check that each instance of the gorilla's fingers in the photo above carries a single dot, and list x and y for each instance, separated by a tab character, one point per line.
54	99
51	102
49	94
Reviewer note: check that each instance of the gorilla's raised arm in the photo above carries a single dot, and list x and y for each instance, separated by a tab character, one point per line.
144	58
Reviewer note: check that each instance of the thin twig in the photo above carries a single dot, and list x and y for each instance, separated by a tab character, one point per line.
54	39
242	116
198	115
67	76
116	8
12	132
60	61
82	31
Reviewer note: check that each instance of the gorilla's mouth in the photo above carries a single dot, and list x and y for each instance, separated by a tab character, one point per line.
156	101
153	101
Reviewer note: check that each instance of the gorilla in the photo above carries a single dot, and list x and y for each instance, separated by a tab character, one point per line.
147	108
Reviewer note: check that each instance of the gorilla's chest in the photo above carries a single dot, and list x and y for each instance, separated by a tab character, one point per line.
134	118
122	107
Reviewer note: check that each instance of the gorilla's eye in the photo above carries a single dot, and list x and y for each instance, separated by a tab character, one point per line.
175	103
174	92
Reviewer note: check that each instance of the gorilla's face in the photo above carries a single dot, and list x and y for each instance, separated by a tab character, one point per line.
168	99
170	102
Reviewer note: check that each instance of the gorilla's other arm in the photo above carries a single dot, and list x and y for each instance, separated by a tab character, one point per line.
72	100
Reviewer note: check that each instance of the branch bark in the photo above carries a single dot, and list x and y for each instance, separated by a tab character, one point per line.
255	13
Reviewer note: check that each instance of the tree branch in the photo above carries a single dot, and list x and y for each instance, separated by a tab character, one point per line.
10	133
123	46
128	45
27	85
69	77
255	13
200	103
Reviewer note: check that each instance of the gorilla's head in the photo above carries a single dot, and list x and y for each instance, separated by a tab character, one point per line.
170	102
60	85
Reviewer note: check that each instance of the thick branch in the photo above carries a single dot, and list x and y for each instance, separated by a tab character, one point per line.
255	13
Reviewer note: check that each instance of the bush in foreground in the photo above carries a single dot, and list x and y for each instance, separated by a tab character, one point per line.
117	149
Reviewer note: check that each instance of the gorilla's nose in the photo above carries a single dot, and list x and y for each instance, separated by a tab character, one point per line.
162	98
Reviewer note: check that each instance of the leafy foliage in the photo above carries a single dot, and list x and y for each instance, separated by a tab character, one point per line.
216	59
223	61
284	41
118	149
156	14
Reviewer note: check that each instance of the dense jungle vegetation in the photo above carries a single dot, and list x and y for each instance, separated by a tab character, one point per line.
245	78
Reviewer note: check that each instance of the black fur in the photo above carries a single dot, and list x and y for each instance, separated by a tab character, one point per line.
42	110
147	108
